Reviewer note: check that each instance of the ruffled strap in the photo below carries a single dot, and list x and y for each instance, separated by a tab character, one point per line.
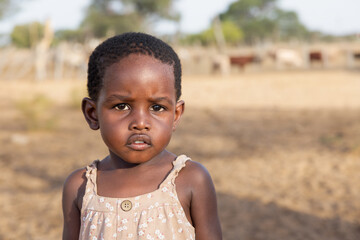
178	163
90	174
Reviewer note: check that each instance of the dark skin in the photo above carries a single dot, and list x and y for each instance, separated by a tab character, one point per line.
137	112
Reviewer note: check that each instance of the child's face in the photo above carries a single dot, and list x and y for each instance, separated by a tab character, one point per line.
137	109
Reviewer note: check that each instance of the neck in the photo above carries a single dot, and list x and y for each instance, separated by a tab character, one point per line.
112	161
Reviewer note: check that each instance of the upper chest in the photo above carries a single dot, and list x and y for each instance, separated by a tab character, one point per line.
118	183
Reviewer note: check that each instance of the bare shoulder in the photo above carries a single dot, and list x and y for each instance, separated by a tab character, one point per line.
195	172
197	185
76	178
193	180
75	184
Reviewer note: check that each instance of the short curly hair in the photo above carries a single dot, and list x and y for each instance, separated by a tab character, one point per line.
118	47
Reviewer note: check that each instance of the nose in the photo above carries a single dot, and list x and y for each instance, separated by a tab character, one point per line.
139	120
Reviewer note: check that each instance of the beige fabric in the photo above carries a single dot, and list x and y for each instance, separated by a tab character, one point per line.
155	215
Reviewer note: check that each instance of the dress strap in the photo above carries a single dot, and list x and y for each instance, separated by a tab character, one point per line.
90	174
178	163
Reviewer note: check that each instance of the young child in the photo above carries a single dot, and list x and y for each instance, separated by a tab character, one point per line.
140	190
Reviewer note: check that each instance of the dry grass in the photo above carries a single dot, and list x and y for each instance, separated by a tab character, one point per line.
283	149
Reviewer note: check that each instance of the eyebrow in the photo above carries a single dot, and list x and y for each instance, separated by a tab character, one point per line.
128	98
160	99
117	97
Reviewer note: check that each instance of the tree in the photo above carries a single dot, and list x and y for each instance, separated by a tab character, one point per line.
263	20
232	35
288	26
117	16
69	35
27	35
253	17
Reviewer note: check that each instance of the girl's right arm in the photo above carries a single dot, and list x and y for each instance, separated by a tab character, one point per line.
74	189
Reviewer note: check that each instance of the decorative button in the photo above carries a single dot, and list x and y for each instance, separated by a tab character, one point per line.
126	205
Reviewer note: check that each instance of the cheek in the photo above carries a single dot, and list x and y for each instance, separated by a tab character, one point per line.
112	128
165	129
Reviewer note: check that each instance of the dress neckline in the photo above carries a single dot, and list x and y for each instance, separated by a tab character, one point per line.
177	164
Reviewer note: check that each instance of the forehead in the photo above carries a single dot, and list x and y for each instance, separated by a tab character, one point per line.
137	71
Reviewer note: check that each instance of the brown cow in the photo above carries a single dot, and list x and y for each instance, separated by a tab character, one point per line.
242	61
316	57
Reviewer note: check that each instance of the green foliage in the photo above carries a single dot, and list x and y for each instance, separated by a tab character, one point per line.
27	35
251	21
206	37
232	35
288	25
99	26
248	10
153	8
36	112
108	17
69	35
262	20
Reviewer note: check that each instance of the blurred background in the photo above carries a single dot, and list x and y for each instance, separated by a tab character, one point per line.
271	88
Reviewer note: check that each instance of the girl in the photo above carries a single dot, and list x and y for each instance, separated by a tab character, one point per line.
140	190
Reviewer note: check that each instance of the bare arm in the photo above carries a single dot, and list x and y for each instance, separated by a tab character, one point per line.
202	205
73	188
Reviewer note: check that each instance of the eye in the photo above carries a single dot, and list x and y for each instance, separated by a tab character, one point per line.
157	108
122	107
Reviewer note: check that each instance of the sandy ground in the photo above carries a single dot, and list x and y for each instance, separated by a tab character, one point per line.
283	149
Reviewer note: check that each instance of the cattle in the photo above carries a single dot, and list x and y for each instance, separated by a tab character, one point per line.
242	61
287	58
316	57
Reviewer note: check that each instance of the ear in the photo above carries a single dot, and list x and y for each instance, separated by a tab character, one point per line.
179	110
88	107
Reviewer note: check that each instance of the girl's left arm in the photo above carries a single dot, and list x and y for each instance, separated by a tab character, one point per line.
73	187
203	205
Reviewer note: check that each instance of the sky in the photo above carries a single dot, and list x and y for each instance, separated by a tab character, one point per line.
330	16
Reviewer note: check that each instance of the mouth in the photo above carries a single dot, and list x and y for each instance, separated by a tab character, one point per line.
139	142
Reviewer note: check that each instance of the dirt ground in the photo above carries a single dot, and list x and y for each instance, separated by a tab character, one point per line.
283	149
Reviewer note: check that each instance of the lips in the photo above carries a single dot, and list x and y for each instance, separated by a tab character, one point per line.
139	142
